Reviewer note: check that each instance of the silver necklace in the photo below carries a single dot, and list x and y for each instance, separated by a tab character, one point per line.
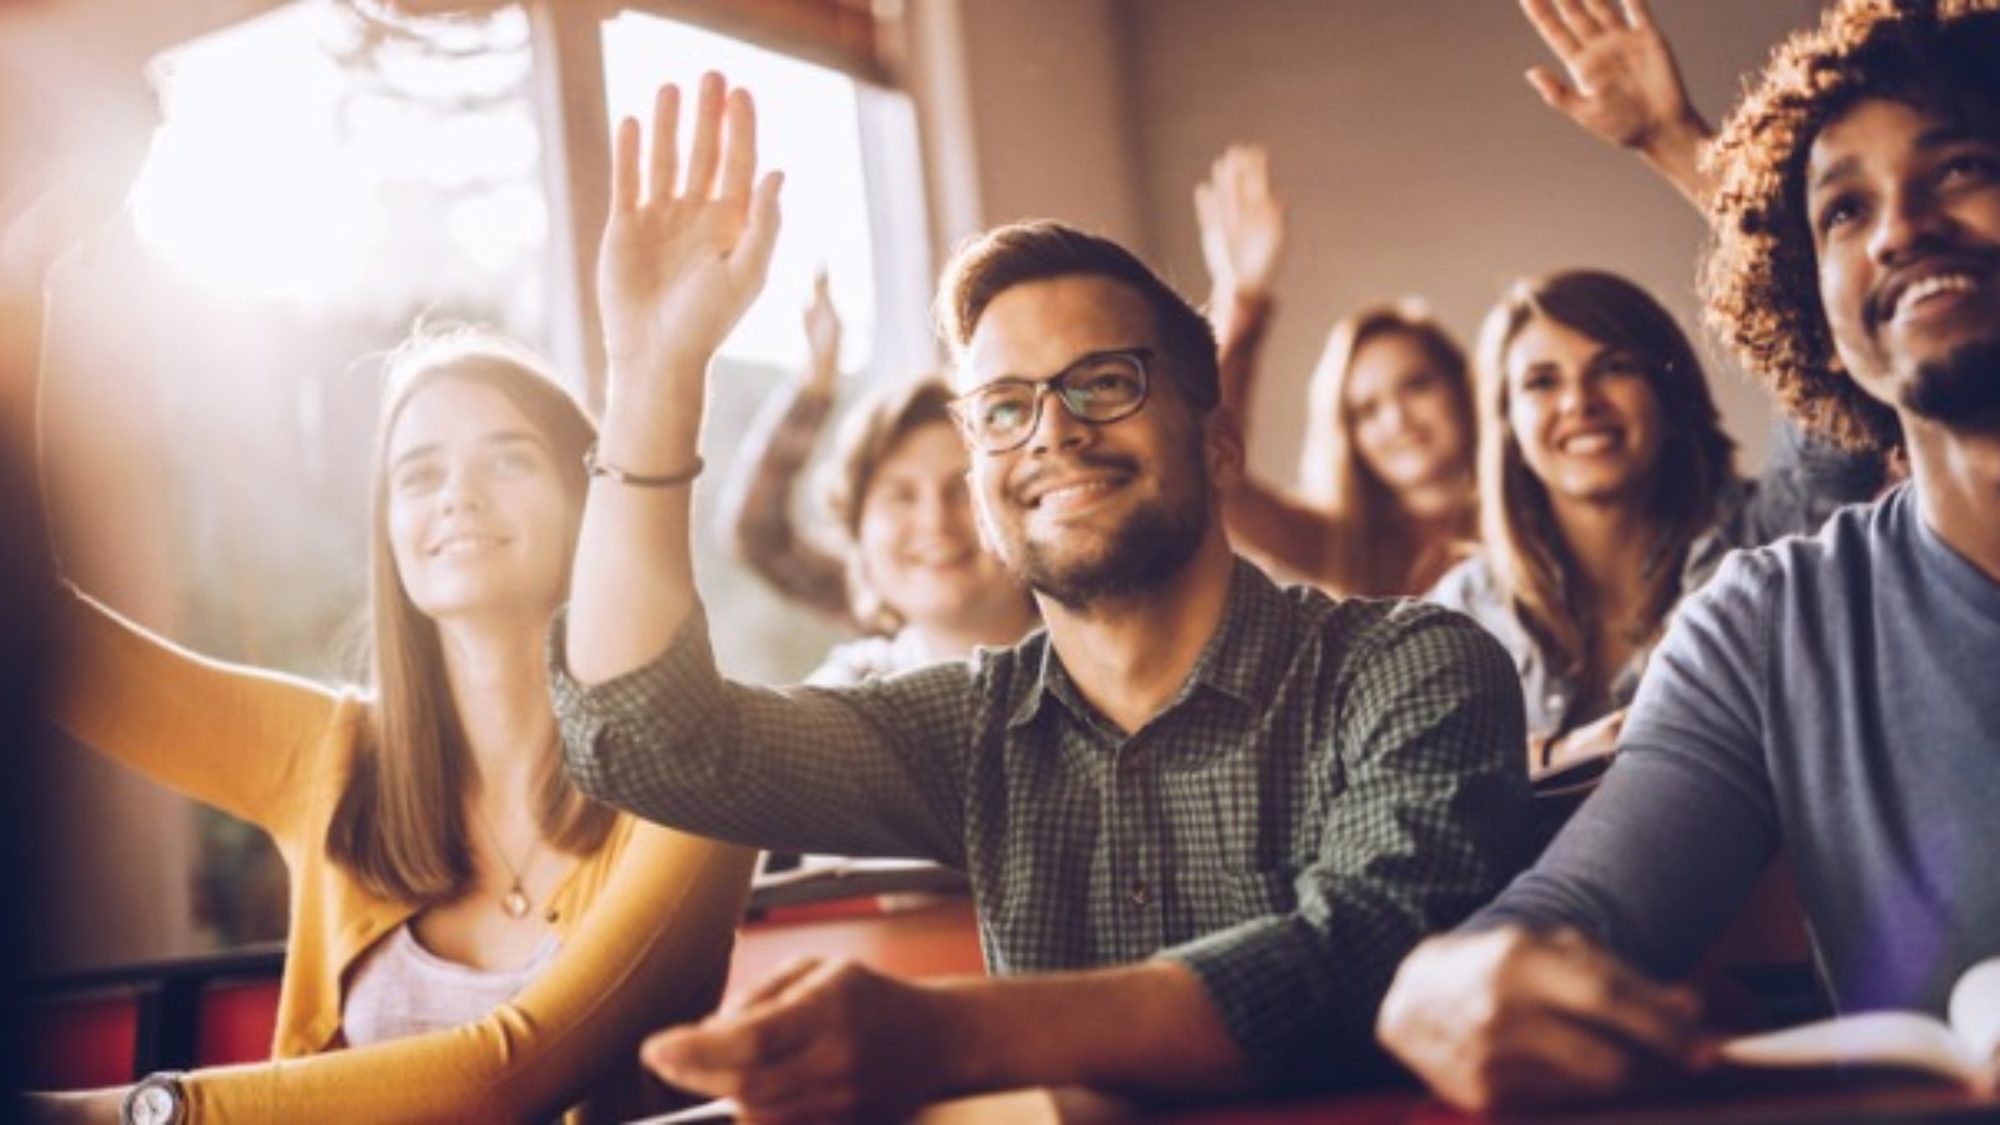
515	903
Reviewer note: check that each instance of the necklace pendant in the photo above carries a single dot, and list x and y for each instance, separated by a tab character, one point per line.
516	902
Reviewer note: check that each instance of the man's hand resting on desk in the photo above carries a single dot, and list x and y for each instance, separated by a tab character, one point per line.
824	1039
1506	1018
831	1040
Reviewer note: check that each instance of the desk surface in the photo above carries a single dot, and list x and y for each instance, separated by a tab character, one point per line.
939	936
1774	1099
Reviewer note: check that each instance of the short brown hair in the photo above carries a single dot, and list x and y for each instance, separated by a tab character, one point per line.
1760	274
1042	250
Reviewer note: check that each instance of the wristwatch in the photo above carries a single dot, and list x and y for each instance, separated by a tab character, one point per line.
157	1099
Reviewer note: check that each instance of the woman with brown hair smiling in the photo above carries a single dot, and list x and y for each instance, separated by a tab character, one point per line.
471	939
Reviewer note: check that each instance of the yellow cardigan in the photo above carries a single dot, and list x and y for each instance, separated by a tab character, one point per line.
646	923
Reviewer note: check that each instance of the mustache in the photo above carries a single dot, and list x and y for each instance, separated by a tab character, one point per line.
1094	460
1970	259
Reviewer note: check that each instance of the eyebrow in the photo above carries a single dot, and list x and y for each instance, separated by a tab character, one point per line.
1941	135
1076	361
498	438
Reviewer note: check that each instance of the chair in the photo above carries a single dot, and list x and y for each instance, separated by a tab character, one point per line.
106	1027
1760	974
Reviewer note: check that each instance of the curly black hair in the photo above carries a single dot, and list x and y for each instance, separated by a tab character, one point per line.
1759	276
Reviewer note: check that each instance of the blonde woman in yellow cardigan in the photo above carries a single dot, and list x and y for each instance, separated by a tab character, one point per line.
471	940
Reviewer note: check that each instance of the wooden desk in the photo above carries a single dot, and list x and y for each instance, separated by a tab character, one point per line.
1762	1097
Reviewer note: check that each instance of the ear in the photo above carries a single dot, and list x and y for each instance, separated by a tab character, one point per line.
1222	445
980	520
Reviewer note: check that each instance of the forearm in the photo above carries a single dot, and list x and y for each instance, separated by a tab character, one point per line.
237	738
1146	1029
1675	153
1284	536
1241	320
758	511
1625	871
632	586
653	946
796	770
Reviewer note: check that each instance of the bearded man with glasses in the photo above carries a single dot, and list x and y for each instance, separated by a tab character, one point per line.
1202	816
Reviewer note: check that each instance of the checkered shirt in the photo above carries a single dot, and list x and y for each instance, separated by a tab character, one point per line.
1335	780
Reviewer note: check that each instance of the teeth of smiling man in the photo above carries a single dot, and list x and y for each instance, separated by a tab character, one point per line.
1076	488
1930	287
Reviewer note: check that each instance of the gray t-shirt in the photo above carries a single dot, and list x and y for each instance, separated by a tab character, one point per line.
1837	696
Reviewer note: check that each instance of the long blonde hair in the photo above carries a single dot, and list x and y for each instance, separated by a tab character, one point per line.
1333	476
399	826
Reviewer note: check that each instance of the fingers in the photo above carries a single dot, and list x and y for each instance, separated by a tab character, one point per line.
721	1054
625	167
1509	1018
1553	90
739	147
752	257
1597	991
663	167
783	1053
1582	18
1605	15
1552	27
774	986
704	151
1569	26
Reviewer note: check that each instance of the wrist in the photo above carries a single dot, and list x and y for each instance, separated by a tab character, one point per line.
973	1051
1679	140
157	1099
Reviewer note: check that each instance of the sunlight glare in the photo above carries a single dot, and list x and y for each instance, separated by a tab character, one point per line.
807	127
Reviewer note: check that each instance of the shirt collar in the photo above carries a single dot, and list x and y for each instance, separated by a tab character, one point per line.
1242	660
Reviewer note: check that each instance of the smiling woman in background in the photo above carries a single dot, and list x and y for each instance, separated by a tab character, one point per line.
1385	502
917	574
1608	493
908	568
470	938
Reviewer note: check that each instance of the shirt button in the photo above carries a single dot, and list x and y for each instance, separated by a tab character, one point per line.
1140	894
1136	760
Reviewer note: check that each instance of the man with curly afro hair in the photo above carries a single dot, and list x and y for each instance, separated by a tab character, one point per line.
1828	698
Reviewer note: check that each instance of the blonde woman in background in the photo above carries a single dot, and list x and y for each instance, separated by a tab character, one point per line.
1385	501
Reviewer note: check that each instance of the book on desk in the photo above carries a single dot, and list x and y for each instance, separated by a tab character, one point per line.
815	879
1963	1048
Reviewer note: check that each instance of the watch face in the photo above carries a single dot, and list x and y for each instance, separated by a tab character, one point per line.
154	1105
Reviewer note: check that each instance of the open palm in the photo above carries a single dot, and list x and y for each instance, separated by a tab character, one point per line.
1623	84
686	248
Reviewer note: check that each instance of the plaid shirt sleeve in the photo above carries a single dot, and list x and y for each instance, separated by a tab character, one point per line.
869	770
1429	822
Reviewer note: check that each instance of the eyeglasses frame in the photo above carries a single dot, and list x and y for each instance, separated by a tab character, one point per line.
958	406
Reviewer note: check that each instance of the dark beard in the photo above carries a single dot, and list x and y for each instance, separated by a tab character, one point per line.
1151	549
1962	390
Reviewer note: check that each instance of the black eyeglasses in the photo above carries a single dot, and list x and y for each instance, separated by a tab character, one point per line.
1100	388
